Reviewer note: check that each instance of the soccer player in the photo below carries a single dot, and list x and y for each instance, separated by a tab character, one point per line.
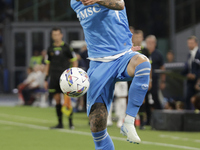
60	57
109	46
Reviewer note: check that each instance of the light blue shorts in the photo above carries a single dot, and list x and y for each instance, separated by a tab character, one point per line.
103	76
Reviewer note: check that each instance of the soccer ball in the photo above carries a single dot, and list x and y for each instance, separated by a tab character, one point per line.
74	82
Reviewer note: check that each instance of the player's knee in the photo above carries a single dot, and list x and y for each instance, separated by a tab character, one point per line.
143	68
141	59
98	117
136	61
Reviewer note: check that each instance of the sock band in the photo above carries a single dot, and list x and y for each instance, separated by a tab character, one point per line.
143	69
102	140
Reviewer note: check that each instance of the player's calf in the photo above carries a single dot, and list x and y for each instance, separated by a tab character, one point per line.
98	117
98	122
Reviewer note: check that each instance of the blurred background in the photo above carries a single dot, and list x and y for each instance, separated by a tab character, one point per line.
172	104
25	27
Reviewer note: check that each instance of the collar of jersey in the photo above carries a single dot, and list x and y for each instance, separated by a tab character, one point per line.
61	43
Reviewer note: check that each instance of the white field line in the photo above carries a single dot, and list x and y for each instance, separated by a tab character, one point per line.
89	134
48	121
26	118
179	138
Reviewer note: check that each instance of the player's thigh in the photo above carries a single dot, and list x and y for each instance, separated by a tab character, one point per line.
134	62
54	87
102	81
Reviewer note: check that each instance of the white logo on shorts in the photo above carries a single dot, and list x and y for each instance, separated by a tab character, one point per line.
145	86
88	105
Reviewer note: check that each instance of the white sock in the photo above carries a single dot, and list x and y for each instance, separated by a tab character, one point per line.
129	119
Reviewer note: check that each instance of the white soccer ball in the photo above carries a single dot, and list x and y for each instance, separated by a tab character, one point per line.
74	82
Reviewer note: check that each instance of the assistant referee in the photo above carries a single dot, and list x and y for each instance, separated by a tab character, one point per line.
60	57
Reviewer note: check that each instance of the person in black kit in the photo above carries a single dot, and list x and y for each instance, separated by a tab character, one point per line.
157	62
192	69
60	57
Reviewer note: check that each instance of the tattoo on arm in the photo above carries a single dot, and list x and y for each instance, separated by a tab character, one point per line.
112	4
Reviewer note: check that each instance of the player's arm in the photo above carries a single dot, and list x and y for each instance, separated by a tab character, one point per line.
46	71
111	4
46	75
74	63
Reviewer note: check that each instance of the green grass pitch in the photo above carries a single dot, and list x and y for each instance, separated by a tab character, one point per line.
27	128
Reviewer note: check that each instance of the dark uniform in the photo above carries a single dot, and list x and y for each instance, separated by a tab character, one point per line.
157	62
144	51
59	59
193	68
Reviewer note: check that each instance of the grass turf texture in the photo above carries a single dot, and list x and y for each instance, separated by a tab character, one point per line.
27	128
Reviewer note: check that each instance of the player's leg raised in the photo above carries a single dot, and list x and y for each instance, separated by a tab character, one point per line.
140	68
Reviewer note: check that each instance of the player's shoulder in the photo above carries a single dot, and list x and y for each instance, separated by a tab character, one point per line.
67	47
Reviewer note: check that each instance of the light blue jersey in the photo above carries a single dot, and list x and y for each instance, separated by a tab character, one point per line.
106	31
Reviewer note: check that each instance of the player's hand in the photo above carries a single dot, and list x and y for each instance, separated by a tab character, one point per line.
191	76
89	2
45	85
136	48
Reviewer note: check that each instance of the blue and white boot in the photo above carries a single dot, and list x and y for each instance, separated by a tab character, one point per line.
128	129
